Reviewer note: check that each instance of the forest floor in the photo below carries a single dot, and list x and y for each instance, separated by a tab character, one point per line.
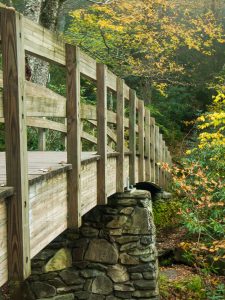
182	282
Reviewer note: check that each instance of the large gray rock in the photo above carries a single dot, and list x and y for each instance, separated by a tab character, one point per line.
71	277
100	250
102	285
61	260
43	290
117	222
118	273
139	222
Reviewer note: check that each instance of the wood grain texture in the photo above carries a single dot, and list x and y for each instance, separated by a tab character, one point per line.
152	148
16	143
157	155
102	133
73	135
141	116
120	136
147	146
3	242
132	136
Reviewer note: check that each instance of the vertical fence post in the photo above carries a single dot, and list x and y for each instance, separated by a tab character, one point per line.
101	132
164	160
160	160
147	146
120	135
73	135
152	148
141	116
16	143
132	136
157	154
42	139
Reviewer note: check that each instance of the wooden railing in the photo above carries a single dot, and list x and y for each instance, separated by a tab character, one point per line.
24	103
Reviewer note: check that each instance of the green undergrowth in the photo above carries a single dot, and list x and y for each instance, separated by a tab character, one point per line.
165	214
193	287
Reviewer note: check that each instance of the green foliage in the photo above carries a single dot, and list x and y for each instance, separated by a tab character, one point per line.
195	287
191	288
165	213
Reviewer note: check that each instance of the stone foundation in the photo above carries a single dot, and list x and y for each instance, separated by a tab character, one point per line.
113	256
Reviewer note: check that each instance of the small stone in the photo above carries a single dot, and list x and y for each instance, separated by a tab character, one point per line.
144	294
117	222
71	277
111	298
124	287
127	210
140	252
72	288
96	297
146	240
149	275
118	273
90	273
61	260
102	285
127	239
89	231
48	276
127	259
41	289
100	250
81	264
145	284
64	297
148	267
128	246
115	232
148	258
79	251
87	285
110	210
56	282
123	295
44	254
135	276
97	266
82	295
127	202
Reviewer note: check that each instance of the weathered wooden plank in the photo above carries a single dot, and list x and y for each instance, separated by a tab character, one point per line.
163	161
160	160
120	136
16	143
3	242
147	146
152	148
132	136
42	43
73	135
141	116
87	66
157	155
101	132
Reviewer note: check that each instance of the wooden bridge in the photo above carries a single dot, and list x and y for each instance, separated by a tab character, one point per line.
43	193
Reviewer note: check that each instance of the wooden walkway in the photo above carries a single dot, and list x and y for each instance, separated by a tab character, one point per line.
43	193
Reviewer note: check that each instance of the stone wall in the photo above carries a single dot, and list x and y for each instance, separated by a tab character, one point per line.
113	256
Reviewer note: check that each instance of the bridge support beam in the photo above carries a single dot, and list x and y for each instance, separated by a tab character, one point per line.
13	55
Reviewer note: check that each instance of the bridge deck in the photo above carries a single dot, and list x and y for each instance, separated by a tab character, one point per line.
45	164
